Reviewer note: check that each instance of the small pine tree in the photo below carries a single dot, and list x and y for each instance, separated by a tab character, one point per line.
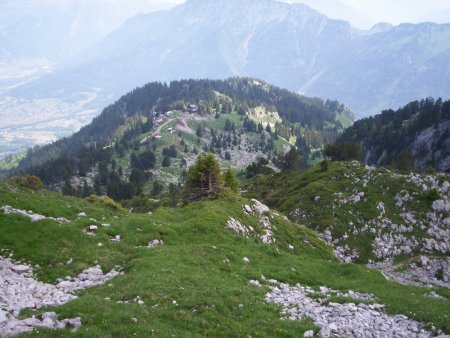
97	185
199	132
204	178
291	160
230	180
166	162
87	190
67	189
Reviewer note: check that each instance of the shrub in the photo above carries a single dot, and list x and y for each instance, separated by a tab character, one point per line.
32	182
404	162
165	162
431	195
105	201
259	167
324	165
345	151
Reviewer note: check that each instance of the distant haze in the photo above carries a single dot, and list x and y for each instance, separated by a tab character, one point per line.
360	13
366	13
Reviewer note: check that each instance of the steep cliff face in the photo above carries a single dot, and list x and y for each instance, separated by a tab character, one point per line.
420	128
432	145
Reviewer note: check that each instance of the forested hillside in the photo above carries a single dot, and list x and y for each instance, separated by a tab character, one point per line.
421	129
148	138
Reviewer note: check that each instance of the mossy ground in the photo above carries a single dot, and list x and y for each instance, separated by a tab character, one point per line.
200	267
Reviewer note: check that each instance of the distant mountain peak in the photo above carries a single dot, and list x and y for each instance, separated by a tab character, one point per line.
381	27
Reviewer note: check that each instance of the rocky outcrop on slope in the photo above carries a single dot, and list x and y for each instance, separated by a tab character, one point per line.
411	220
19	290
31	215
350	320
263	215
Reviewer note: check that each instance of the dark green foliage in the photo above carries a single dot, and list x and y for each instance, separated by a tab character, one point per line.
137	176
230	180
345	151
103	172
67	188
120	190
259	167
204	178
229	126
140	203
430	171
291	160
250	125
170	152
324	165
97	185
199	131
431	195
157	188
87	190
404	162
260	128
166	162
147	159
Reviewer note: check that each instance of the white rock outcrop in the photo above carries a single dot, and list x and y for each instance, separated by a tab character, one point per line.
31	215
342	320
19	290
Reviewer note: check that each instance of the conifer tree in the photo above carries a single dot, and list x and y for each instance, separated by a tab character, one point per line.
230	180
204	177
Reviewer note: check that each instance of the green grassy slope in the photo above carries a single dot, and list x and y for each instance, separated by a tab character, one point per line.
200	267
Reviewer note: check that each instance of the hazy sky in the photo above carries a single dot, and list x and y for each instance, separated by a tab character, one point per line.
365	13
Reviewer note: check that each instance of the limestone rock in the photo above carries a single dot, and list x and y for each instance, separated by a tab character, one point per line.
155	243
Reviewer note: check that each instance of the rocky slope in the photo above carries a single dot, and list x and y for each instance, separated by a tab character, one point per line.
396	222
195	270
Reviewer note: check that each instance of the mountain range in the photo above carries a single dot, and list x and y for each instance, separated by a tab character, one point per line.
289	45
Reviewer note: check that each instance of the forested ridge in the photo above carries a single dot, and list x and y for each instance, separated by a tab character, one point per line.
113	150
421	128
